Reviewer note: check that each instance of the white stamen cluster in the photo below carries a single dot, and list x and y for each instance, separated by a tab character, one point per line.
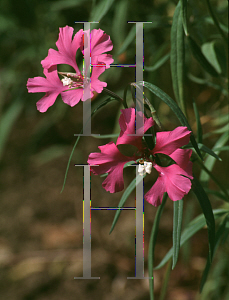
67	81
146	168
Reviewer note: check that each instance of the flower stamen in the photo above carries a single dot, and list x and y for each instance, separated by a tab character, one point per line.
67	81
144	168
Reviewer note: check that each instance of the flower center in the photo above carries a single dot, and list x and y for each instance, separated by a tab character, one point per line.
72	80
67	81
144	167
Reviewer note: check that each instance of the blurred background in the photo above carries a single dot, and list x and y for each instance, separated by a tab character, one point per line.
41	231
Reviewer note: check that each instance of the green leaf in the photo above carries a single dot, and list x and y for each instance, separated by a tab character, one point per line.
177	222
216	22
175	108
99	11
209	20
216	193
130	37
7	121
209	151
207	211
216	56
124	197
69	160
66	4
208	83
215	179
210	161
184	15
194	226
152	243
220	232
201	58
177	56
223	129
158	64
224	148
199	127
119	23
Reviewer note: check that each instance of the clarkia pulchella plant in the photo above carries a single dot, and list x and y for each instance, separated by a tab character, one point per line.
171	154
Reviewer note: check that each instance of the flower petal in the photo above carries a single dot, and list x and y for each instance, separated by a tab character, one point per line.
110	161
155	194
96	84
51	85
181	157
170	180
100	43
169	141
45	102
127	125
67	48
72	97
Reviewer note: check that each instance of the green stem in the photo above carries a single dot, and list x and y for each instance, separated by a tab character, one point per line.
166	280
152	243
216	21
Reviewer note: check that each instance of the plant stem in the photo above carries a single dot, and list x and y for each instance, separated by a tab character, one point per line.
152	243
166	280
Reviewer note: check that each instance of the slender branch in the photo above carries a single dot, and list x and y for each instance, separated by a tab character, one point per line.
152	243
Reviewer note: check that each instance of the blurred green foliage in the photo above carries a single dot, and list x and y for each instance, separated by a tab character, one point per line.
29	28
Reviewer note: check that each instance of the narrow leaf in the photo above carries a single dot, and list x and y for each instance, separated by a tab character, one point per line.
7	121
210	161
69	160
177	56
194	226
209	151
216	193
158	64
208	83
123	199
216	22
66	4
184	15
207	211
208	49
177	222
215	179
119	23
152	243
130	37
201	58
220	232
100	10
198	123
174	107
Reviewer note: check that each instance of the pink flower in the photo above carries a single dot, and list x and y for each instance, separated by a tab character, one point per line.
173	179
74	86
